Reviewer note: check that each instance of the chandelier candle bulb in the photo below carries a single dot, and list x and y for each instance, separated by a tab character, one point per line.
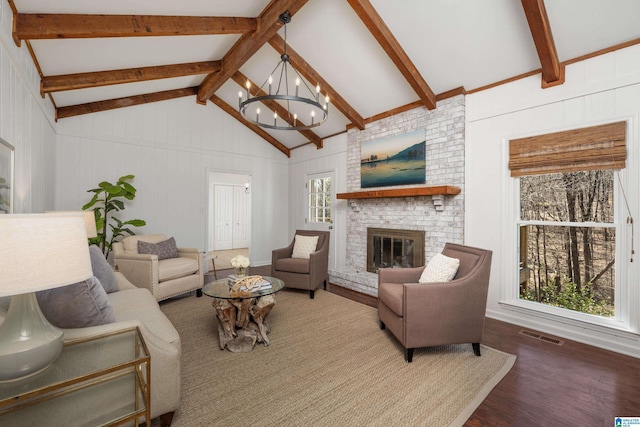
283	94
257	114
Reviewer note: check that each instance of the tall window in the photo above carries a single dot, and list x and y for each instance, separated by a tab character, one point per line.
568	232
319	200
568	241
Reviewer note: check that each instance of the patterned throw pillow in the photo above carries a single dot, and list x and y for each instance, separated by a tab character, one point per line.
304	246
164	250
441	268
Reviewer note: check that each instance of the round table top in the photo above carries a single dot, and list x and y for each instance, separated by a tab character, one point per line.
221	287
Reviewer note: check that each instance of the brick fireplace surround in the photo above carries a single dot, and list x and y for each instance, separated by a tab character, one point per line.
440	217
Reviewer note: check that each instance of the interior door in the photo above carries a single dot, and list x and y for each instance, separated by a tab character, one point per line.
241	220
223	217
320	201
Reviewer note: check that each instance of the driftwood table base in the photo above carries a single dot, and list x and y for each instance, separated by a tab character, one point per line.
243	322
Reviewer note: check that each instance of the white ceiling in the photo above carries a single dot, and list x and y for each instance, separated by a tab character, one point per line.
453	44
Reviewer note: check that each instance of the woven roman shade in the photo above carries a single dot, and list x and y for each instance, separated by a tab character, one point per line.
597	147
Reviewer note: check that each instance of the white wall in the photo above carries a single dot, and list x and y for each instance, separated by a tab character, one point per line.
309	160
26	122
602	89
171	147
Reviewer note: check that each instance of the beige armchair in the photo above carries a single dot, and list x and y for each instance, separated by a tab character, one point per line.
431	314
164	278
302	273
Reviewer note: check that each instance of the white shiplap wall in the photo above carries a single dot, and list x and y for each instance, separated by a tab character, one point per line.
26	122
170	147
601	89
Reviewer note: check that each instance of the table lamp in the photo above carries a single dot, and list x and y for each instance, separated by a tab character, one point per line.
37	252
89	220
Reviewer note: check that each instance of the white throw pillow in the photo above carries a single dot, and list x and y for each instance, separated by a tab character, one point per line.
304	245
441	268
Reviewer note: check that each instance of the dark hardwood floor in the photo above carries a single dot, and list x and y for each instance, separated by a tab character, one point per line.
571	384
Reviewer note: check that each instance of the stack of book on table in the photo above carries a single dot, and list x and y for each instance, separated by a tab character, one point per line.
260	285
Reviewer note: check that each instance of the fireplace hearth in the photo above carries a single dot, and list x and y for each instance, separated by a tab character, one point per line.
394	248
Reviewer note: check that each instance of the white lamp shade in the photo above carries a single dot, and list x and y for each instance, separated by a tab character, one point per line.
42	251
89	221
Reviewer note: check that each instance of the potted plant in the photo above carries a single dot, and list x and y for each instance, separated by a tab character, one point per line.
108	199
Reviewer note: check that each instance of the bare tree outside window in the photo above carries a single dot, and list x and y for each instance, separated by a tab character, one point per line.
567	241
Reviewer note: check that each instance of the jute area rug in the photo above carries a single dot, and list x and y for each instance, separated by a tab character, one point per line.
329	364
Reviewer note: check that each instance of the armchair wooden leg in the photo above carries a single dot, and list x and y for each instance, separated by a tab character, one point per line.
312	293
408	354
325	285
198	293
382	325
476	348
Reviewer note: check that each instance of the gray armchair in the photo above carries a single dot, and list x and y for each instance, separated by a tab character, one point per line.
164	278
303	273
431	314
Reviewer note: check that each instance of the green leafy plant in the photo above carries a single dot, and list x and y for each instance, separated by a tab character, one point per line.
108	199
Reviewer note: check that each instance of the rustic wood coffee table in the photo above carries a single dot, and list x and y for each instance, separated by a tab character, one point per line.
242	317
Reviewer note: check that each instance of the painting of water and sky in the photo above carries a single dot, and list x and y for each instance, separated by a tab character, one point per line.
394	160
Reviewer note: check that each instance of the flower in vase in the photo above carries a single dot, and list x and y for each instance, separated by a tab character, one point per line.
240	261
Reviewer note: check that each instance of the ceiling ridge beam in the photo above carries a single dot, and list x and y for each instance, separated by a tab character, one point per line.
40	26
552	69
276	107
268	24
233	112
64	82
373	21
128	101
309	73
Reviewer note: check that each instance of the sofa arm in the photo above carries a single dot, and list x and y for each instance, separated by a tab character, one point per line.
165	362
197	255
139	269
123	282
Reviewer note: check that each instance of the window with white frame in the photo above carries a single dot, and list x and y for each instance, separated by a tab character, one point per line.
319	200
568	226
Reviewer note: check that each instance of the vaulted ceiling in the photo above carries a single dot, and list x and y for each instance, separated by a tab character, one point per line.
373	57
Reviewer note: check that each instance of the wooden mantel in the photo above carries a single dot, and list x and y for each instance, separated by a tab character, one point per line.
445	190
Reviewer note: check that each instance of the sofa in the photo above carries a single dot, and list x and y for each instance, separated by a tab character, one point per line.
127	307
164	269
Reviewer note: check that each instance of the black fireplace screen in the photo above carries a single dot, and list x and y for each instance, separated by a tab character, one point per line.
394	248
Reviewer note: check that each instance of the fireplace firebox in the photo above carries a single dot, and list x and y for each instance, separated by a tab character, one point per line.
394	248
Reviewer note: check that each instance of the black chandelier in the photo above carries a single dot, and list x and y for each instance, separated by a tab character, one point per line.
297	97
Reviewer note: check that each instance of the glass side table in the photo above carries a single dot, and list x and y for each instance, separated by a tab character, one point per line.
97	381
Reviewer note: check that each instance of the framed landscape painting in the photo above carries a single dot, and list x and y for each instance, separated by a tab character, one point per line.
394	160
6	177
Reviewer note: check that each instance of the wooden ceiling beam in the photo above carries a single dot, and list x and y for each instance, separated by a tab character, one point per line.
552	69
276	107
370	17
233	112
309	73
39	26
63	82
268	24
111	104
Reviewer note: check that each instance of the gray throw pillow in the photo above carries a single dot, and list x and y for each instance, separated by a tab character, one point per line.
165	249
78	305
102	270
